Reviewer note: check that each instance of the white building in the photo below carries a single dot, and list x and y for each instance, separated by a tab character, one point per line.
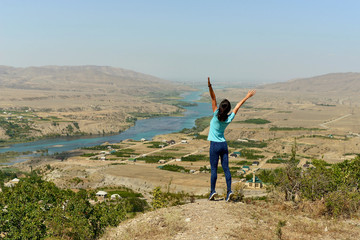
101	194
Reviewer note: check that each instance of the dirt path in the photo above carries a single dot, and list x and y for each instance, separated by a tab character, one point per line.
158	150
334	120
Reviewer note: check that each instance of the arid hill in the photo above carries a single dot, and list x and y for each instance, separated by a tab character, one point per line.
332	82
41	101
80	79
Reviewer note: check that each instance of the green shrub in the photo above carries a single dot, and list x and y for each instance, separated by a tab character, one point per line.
163	199
342	202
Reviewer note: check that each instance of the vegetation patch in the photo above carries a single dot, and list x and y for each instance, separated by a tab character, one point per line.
280	158
244	163
88	154
200	125
294	129
174	168
277	161
154	158
251	154
202	137
249	144
128	152
156	144
36	209
11	155
195	158
16	129
255	121
102	147
164	199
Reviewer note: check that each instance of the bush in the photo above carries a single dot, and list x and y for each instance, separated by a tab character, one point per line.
163	199
342	203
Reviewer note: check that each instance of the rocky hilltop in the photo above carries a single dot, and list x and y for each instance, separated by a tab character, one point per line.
228	220
332	82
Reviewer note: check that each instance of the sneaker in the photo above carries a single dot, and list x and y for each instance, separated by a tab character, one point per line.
229	195
212	196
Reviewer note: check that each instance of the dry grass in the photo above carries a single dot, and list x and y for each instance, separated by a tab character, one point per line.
163	225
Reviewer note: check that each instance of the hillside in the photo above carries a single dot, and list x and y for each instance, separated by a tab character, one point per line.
80	79
222	220
333	82
78	100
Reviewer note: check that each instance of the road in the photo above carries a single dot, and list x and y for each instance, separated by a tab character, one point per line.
334	120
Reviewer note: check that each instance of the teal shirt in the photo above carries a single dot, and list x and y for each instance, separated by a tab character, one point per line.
217	128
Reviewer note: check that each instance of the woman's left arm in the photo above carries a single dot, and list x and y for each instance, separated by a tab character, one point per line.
249	95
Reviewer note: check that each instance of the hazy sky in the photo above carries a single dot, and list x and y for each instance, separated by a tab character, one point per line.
186	40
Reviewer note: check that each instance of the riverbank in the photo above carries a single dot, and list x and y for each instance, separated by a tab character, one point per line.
139	129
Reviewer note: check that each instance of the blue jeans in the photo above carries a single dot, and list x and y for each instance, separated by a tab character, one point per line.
219	149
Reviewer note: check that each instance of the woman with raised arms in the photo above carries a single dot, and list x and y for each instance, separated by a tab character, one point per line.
218	145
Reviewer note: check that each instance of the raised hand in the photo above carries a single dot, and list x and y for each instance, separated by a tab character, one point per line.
209	84
251	93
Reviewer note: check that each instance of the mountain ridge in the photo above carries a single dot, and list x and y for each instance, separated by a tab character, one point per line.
83	77
331	82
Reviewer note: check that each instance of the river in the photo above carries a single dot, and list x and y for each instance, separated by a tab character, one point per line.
145	128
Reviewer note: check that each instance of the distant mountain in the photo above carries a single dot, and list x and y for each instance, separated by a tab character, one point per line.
333	82
81	78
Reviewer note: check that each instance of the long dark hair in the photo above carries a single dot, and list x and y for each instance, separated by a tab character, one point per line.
224	109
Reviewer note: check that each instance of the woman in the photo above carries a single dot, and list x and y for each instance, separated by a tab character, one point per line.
218	145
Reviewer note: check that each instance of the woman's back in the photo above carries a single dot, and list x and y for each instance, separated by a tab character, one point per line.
217	127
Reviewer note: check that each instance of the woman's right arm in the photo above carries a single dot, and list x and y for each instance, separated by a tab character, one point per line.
212	95
249	95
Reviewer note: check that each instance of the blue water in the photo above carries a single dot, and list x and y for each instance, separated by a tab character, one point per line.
146	128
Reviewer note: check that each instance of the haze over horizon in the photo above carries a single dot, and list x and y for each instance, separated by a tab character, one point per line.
185	41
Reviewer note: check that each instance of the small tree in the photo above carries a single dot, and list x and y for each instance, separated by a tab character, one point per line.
289	179
159	200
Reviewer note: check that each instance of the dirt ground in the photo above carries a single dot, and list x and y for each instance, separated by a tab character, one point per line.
227	220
